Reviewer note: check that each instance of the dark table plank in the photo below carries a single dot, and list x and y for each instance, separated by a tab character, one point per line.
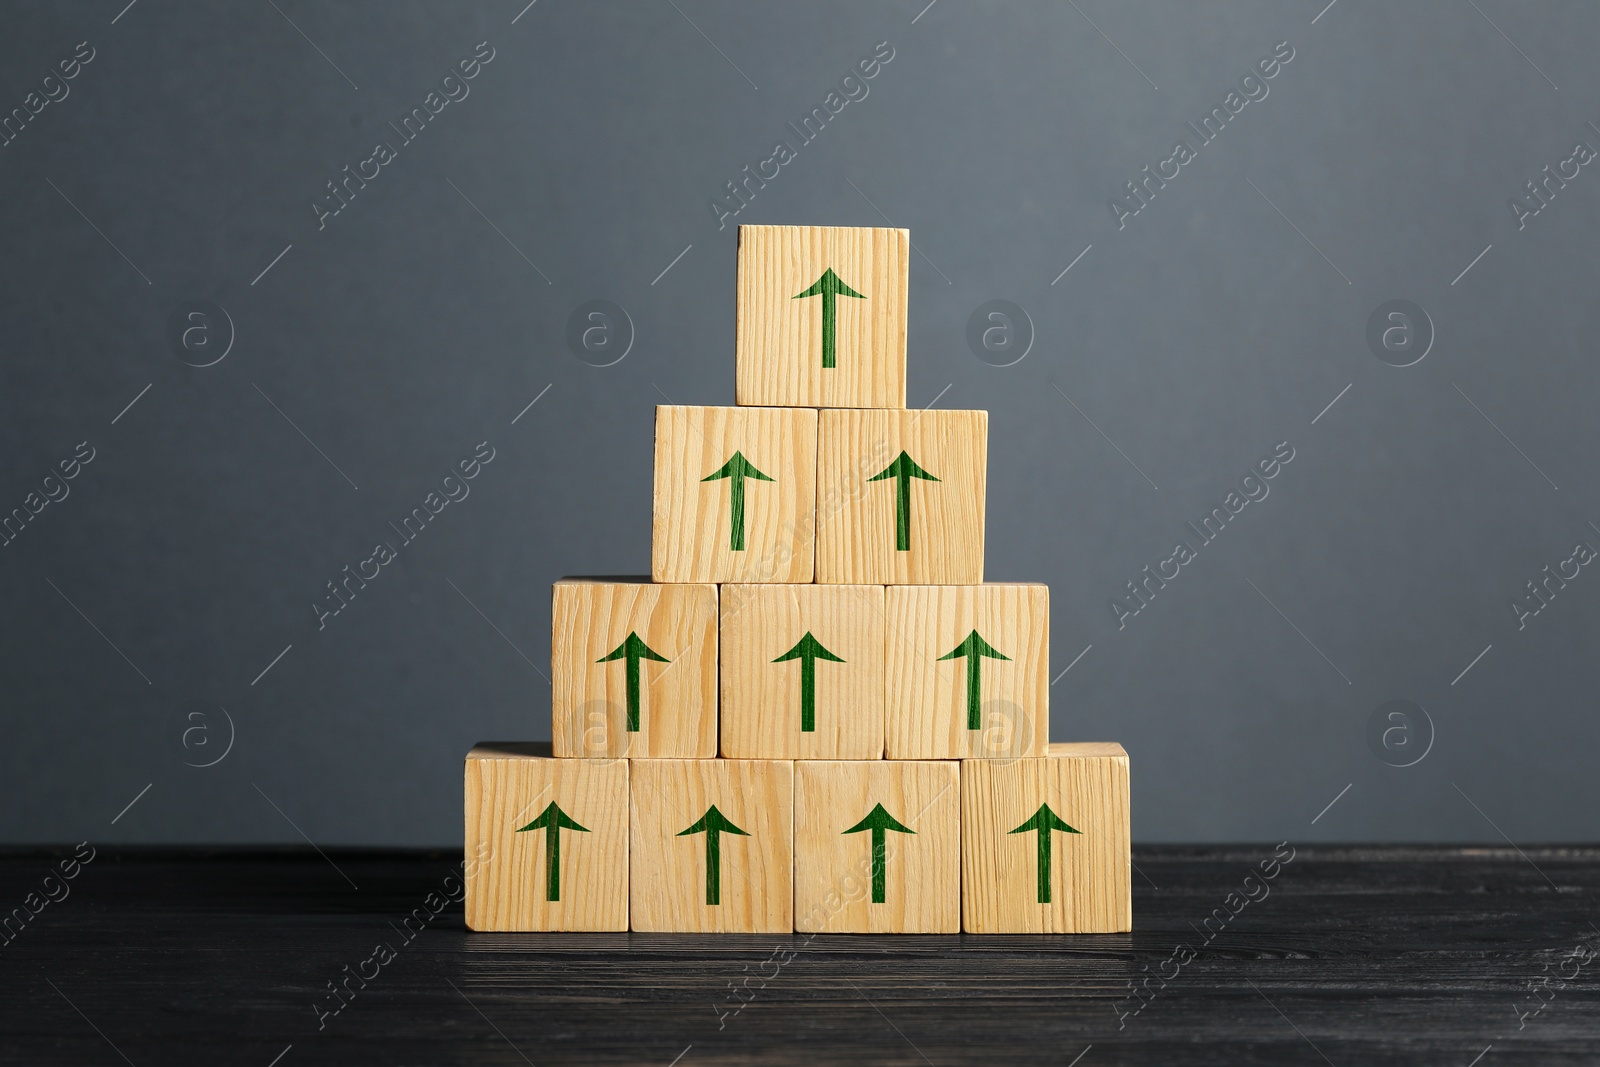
1351	956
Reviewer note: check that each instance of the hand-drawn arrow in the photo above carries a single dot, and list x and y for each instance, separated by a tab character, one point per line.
879	822
632	650
974	648
552	821
713	824
828	287
808	650
1042	822
902	470
737	469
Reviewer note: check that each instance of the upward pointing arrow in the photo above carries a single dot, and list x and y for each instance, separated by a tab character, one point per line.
713	824
829	287
879	822
1042	822
975	649
808	650
902	470
552	821
737	469
632	650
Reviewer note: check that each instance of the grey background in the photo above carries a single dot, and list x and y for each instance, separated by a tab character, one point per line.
1213	326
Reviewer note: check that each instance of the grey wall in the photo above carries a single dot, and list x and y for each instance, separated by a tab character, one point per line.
383	347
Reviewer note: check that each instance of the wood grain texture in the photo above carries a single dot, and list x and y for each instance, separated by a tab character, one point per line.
833	875
509	785
589	619
856	517
1086	786
761	711
692	534
1383	957
778	338
756	876
927	696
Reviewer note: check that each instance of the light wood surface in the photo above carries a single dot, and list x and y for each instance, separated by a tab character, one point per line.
1086	787
927	696
857	517
693	532
755	874
677	700
762	700
833	870
509	785
778	338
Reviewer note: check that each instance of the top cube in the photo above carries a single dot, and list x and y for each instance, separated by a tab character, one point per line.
822	316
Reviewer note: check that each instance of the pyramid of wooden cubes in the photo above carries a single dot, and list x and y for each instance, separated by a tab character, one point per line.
815	715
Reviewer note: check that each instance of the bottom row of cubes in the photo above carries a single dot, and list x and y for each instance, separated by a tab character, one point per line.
1036	845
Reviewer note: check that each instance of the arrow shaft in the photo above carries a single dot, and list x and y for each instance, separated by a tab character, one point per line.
974	686
1043	834
713	866
552	861
880	863
736	513
631	670
829	311
808	694
902	512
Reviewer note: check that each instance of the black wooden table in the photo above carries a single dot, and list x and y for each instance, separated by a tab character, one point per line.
1350	956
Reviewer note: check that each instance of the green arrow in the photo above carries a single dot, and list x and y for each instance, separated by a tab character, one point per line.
632	650
552	821
808	650
879	822
713	824
902	470
1043	821
829	287
974	648
737	469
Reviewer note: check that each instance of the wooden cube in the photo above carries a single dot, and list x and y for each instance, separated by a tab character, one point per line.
802	671
968	671
822	316
633	669
712	846
735	495
1045	843
877	847
900	497
546	840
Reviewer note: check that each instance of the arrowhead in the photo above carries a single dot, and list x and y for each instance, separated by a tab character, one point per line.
808	647
553	820
828	283
878	819
736	467
902	467
1044	820
974	646
632	648
713	821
